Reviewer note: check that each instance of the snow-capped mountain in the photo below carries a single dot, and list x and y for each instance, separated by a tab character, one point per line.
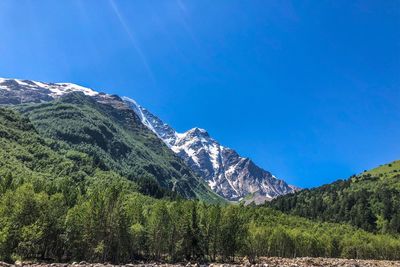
226	172
14	91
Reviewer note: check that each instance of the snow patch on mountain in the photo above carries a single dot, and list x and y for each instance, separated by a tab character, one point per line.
67	87
227	173
163	130
223	169
34	91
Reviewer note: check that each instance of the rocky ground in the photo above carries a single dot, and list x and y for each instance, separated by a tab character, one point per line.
264	262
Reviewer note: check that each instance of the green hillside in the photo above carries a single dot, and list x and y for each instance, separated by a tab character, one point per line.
116	140
370	200
25	157
61	204
389	172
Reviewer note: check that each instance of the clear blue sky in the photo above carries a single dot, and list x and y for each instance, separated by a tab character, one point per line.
310	90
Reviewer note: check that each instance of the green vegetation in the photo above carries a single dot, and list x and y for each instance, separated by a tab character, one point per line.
387	172
112	223
61	200
370	201
116	140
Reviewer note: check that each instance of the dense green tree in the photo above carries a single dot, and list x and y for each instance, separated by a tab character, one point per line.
367	201
256	240
232	232
158	230
60	202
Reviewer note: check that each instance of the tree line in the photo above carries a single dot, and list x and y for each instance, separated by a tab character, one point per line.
368	202
59	204
111	223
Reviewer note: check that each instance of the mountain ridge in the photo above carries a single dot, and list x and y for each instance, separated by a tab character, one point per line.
223	169
103	127
369	200
227	173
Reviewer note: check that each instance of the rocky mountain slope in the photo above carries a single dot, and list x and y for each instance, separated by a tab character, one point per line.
107	130
226	172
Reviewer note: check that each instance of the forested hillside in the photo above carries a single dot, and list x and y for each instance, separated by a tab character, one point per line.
57	204
25	157
115	138
370	201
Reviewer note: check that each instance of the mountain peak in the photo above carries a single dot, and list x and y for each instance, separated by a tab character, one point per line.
198	132
226	172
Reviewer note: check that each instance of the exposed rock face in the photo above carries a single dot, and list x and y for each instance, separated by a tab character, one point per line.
226	172
104	127
13	91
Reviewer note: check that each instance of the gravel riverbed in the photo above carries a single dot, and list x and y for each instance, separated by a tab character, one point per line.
264	262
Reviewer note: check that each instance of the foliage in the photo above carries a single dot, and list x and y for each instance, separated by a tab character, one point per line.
58	203
370	201
112	223
114	137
